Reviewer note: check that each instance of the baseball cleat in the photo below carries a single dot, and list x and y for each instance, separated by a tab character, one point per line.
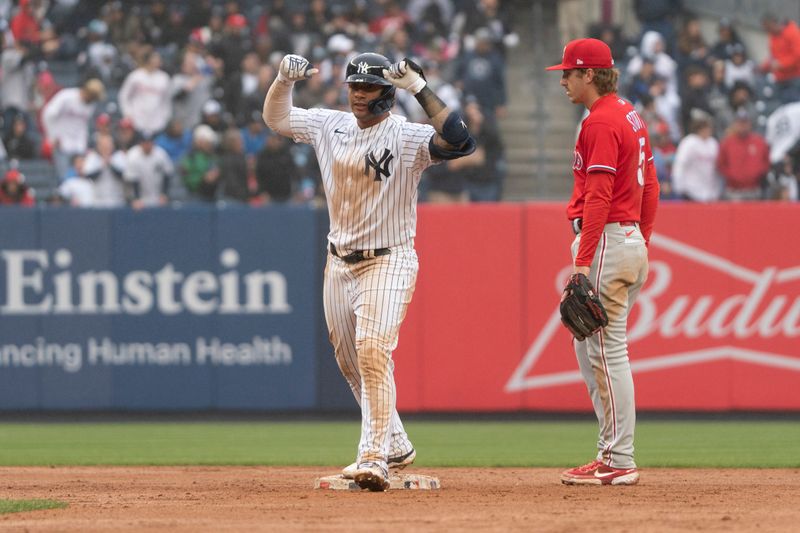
372	476
395	463
597	473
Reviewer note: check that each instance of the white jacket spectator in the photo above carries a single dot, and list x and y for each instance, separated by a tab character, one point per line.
191	88
694	174
106	167
146	96
148	170
78	190
783	131
17	78
66	121
653	48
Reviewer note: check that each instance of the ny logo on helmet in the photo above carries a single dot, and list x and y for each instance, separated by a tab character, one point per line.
363	68
381	166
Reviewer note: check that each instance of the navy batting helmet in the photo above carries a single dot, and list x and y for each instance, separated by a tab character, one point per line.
368	68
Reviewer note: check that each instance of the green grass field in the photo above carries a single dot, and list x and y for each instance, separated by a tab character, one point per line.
770	444
21	506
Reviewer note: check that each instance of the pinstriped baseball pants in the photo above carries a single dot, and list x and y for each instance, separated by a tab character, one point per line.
618	271
365	303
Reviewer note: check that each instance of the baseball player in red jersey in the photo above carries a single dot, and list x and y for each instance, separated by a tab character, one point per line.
612	210
371	162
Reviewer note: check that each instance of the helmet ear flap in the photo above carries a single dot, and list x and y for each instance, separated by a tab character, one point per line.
383	103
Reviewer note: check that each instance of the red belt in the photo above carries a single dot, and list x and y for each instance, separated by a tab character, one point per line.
628	223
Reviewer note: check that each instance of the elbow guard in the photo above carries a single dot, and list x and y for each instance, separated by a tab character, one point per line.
466	148
454	130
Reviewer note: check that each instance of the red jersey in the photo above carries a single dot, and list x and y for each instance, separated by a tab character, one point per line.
612	167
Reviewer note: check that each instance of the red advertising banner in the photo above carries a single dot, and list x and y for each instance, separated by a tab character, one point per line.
716	326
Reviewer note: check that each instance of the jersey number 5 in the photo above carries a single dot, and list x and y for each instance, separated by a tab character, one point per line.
640	167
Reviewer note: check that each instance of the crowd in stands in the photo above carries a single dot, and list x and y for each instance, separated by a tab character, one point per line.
722	127
166	105
165	98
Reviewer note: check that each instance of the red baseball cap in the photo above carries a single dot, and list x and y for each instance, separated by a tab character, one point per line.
236	20
585	53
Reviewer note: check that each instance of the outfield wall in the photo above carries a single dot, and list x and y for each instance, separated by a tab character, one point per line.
194	309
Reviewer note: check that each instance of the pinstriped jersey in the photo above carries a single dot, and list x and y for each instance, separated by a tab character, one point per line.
370	175
613	139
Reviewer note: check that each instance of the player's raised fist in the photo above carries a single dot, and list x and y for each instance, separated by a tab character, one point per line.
294	68
406	75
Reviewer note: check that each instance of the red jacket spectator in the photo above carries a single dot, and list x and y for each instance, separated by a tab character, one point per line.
784	47
13	190
743	158
24	25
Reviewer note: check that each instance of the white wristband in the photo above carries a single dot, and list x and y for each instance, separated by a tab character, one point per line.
417	86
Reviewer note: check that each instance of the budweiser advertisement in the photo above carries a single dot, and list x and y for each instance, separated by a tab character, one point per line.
716	327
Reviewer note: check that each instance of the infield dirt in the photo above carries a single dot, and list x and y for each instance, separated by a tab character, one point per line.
192	499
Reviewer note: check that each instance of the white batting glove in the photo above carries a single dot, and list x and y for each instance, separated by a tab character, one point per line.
405	76
295	68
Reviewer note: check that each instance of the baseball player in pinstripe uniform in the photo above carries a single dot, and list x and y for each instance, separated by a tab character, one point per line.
371	162
612	211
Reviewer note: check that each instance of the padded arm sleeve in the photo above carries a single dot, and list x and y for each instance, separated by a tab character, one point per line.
277	106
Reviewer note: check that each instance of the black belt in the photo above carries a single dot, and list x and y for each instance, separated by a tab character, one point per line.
577	224
360	255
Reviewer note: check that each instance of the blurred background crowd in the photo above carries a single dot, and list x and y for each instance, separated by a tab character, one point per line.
147	103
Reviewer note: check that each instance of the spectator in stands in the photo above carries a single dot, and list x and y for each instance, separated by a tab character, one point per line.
235	43
727	38
489	14
213	117
696	93
102	125
743	160
276	172
3	155
18	142
572	20
481	72
738	68
652	48
233	169
145	96
694	175
783	181
105	166
484	169
612	36
667	105
254	135
191	88
77	189
18	73
126	136
66	121
175	140
692	47
740	98
242	95
200	168
783	131
14	191
659	16
100	57
784	60
25	25
640	83
444	184
663	158
148	171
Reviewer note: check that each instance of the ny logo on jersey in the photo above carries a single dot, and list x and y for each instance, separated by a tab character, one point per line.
381	165
363	68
